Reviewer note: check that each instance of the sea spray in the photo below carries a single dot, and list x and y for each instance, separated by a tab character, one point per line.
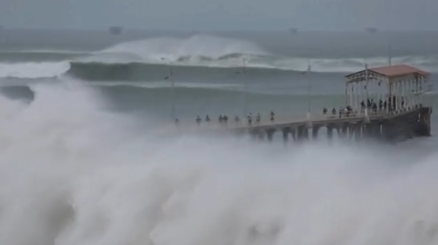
171	49
72	173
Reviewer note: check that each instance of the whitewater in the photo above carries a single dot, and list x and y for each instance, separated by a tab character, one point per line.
194	51
72	172
89	153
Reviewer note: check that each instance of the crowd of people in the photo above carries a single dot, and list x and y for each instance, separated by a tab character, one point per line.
389	105
223	119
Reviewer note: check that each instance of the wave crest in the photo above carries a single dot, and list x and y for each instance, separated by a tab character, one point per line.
147	60
172	49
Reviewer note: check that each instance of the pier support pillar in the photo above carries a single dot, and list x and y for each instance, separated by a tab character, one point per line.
286	132
423	126
270	134
408	131
338	129
330	132
377	130
293	132
261	135
351	131
386	131
254	134
344	130
358	132
306	132
303	133
368	131
315	130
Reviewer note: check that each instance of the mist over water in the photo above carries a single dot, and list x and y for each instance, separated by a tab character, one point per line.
74	173
88	156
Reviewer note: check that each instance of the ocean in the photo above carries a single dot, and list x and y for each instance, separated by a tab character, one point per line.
86	156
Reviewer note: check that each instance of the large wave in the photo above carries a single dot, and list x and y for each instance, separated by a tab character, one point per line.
137	60
72	173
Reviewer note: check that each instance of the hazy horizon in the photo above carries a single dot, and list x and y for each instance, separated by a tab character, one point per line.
224	15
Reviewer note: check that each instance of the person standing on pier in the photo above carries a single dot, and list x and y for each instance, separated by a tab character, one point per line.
207	118
258	118
324	111
249	118
272	116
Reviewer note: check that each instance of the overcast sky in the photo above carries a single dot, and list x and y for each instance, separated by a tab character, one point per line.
331	15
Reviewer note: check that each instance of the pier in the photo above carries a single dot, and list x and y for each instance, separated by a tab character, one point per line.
383	104
392	127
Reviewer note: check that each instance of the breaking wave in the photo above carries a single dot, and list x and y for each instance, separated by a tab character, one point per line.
88	176
150	58
93	70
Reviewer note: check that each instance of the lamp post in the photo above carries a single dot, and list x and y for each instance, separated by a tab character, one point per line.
309	91
172	89
245	87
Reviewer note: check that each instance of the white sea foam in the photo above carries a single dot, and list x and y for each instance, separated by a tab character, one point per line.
205	51
167	84
171	49
33	69
71	173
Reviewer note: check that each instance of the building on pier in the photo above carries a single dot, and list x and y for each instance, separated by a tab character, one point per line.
393	88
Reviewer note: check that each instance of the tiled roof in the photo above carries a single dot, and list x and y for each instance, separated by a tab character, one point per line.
398	70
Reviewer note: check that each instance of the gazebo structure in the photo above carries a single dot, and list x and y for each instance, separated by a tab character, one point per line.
385	89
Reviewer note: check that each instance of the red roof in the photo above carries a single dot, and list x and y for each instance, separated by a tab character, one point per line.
398	70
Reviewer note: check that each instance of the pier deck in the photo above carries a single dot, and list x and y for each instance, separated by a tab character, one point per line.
390	126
